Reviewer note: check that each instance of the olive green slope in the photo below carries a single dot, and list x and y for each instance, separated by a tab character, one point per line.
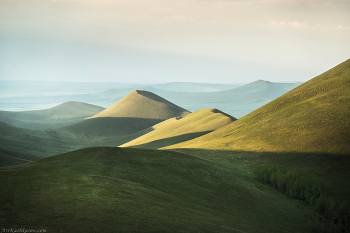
177	130
134	190
39	143
314	117
9	157
143	104
59	116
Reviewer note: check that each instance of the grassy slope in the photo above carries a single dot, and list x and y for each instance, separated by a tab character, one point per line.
313	117
175	130
306	130
143	104
59	116
9	158
134	190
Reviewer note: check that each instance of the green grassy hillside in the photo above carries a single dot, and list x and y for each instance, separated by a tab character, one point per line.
9	158
40	143
313	117
64	114
177	130
134	190
143	104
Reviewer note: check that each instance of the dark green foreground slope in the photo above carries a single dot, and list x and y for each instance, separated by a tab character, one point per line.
134	190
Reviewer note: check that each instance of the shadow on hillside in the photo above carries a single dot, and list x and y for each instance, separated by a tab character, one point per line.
329	170
156	144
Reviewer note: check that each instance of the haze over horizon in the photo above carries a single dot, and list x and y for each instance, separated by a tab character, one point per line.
140	41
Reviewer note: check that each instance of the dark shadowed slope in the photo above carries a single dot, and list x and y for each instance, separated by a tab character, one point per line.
64	114
177	130
9	158
313	117
134	190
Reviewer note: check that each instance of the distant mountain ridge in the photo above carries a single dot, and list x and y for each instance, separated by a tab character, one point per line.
236	101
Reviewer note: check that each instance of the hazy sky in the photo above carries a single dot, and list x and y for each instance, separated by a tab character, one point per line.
227	41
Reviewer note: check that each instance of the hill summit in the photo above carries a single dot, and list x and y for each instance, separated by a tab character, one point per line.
143	104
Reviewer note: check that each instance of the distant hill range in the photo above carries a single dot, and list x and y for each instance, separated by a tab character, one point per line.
64	114
233	99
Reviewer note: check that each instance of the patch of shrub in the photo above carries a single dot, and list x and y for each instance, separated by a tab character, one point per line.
335	214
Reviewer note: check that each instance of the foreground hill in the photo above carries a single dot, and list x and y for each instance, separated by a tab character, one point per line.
177	130
143	104
64	114
134	190
313	117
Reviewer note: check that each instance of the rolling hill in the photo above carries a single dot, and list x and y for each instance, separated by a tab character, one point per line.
306	130
40	143
64	114
9	158
143	104
313	117
112	127
134	190
135	112
177	130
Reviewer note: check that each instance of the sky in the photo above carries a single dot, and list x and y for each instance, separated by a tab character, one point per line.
214	41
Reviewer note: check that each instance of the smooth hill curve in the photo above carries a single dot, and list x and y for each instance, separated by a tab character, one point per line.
143	104
176	130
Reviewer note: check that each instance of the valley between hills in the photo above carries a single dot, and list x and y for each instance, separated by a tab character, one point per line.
163	159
